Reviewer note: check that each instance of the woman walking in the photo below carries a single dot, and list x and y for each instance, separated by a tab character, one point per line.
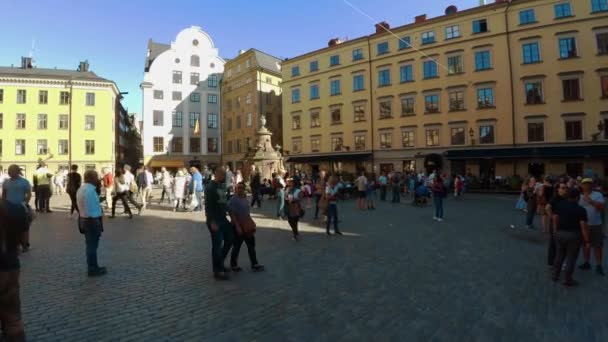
370	193
294	206
331	192
319	191
439	193
121	190
245	230
179	189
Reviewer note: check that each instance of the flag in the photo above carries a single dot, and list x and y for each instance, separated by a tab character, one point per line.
197	128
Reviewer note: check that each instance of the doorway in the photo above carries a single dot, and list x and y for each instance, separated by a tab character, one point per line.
536	170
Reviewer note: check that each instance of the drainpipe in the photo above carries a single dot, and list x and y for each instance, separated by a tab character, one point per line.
371	101
511	80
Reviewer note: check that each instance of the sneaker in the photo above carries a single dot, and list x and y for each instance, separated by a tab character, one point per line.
439	219
599	270
585	266
99	271
257	268
236	269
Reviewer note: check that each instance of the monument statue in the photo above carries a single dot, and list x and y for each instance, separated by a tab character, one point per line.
262	121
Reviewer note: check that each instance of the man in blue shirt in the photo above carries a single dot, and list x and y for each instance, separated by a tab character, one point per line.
197	187
17	190
593	203
90	222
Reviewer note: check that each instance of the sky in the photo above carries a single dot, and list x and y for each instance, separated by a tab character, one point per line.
113	34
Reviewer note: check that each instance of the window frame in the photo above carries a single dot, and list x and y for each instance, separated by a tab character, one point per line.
570	45
408	138
42	118
482	94
407	99
527	16
314	91
451	33
405	42
459	129
433	136
335	87
87	126
542	131
406	70
43	97
212	121
176	77
90	99
480	26
385	139
458	100
427	37
581	135
529	52
89	147
158	144
434	108
492	131
531	96
483	60
430	66
334	60
382	48
557	8
295	95
212	98
385	112
177	119
384	77
357	77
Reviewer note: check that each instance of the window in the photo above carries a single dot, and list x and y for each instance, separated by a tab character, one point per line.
295	122
20	147
43	97
195	61
42	121
599	5
336	143
567	48
212	145
455	65
431	104
176	96
21	96
158	94
1	95
480	26
384	78
428	37
229	146
452	32
486	134
295	95
315	119
89	122
195	145
386	139
89	146
602	44
229	124
212	82
177	77
382	48
574	130
531	53
193	119
212	120
483	60
536	132
562	10
41	147
527	17
195	97
432	137
359	112
386	108
407	106
177	145
335	87
603	83
20	124
90	100
249	120
485	98
158	117
430	69
63	121
176	119
158	144
336	115
406	73
456	100
296	146
407	139
457	136
357	55
534	92
315	144
314	66
238	122
295	71
358	83
334	60
62	147
571	89
194	78
64	98
359	142
405	43
211	98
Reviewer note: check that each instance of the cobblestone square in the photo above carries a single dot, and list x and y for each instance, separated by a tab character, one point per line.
396	275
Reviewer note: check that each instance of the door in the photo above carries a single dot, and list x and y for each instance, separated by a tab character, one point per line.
487	171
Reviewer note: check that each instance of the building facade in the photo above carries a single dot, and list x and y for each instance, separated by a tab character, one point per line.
181	101
251	87
129	149
63	117
507	88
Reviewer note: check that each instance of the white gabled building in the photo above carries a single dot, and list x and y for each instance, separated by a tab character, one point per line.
181	101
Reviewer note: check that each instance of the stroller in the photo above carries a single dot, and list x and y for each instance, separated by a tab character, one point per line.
421	196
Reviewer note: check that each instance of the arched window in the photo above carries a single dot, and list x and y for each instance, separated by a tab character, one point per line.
195	60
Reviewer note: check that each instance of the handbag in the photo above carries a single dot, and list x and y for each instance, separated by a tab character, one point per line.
295	210
248	226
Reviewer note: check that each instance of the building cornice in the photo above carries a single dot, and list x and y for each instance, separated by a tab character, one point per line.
57	82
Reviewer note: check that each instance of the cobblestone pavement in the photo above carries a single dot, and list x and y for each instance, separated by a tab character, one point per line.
396	275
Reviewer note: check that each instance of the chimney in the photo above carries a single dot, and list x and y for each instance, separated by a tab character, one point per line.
382	27
26	62
83	66
420	19
334	42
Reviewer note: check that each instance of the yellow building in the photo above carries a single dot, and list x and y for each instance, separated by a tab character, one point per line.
61	116
251	87
516	87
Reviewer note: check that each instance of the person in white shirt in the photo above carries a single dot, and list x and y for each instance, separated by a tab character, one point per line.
361	184
147	190
229	181
90	221
129	179
166	181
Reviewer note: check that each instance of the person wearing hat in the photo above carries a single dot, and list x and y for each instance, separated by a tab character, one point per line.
593	202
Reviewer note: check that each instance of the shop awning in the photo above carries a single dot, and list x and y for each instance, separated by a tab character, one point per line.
586	151
337	157
166	163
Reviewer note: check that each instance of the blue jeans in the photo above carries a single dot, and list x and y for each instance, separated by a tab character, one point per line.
92	229
199	197
332	215
438	202
221	242
280	202
530	216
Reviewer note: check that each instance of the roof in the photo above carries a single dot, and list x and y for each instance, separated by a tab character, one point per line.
268	62
155	49
51	74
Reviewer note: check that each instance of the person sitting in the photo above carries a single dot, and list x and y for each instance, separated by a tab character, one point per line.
421	195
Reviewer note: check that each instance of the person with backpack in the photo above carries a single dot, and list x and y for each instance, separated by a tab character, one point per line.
439	193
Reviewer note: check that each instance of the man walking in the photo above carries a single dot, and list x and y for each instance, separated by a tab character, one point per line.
245	230
593	203
42	182
561	195
166	182
256	184
220	229
197	188
108	184
18	191
383	180
74	182
90	221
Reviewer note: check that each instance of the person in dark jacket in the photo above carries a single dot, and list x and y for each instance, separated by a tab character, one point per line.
74	182
220	229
